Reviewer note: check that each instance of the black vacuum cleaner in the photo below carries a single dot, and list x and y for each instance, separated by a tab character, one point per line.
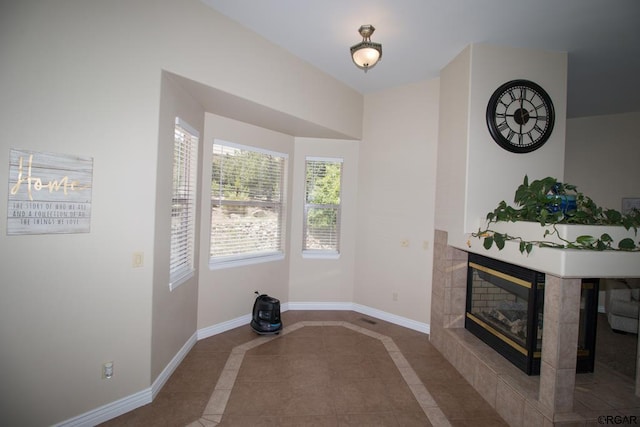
266	315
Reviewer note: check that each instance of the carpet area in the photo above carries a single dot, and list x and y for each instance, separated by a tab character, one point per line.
616	350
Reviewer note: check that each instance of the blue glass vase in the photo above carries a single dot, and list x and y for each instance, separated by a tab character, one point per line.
562	203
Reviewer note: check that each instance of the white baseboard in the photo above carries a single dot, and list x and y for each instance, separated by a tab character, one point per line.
110	410
319	306
393	318
172	366
210	331
378	314
134	401
219	328
146	396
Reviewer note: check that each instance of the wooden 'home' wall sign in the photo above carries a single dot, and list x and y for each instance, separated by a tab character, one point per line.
48	193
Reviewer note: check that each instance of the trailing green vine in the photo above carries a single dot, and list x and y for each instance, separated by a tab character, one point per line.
550	203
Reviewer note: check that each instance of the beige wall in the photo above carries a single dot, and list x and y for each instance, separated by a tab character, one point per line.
453	136
228	293
173	311
84	77
492	173
603	156
315	280
396	196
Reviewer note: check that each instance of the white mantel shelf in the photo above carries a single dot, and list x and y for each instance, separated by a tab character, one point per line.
569	263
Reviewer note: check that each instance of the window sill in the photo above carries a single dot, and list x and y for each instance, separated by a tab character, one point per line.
180	278
240	262
320	255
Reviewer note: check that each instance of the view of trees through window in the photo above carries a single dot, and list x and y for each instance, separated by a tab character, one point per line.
322	204
247	202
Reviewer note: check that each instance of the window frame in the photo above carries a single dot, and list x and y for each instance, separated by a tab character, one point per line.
183	268
249	258
322	253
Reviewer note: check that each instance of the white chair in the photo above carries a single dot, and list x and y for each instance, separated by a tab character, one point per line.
622	304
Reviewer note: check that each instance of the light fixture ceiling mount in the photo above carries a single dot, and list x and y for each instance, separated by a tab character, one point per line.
366	54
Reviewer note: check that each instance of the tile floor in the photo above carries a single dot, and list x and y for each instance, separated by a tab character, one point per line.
343	372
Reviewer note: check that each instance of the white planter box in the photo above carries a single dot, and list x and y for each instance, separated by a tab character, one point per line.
533	231
560	262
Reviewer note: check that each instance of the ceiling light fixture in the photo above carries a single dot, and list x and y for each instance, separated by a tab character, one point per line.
366	54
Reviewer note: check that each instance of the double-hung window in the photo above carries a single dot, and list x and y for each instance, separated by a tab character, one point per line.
323	182
247	204
183	203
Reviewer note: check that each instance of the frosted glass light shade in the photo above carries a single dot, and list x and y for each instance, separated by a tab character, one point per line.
366	54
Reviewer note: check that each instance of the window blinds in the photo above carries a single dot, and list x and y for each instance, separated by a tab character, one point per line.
183	207
323	181
247	202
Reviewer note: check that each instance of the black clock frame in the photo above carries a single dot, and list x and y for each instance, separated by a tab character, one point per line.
493	126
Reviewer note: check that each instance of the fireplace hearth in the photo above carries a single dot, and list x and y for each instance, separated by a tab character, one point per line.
505	309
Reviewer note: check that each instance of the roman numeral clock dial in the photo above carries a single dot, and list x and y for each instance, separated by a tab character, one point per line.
520	116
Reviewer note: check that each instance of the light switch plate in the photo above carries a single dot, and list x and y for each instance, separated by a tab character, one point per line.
137	260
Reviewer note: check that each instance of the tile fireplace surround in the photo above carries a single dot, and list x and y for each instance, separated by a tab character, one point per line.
550	399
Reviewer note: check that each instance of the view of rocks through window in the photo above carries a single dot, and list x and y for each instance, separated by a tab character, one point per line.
256	227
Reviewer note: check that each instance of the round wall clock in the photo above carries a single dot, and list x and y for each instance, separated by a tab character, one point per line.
520	116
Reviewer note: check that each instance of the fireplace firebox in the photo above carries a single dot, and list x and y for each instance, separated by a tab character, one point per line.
505	307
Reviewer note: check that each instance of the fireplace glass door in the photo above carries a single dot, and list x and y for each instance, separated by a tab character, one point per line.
505	309
505	306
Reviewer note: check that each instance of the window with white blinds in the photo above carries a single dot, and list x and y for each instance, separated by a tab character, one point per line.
183	202
247	204
323	182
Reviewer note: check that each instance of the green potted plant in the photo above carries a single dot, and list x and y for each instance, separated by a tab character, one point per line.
551	203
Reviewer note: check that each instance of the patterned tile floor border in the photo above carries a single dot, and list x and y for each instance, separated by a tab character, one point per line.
214	410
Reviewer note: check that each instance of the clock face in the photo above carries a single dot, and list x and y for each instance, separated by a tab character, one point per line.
520	116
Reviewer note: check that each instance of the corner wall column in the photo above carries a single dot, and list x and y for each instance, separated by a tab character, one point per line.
559	343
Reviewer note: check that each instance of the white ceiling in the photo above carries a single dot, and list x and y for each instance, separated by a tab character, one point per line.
419	37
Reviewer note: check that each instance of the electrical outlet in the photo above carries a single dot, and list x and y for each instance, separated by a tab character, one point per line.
107	370
425	245
394	296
